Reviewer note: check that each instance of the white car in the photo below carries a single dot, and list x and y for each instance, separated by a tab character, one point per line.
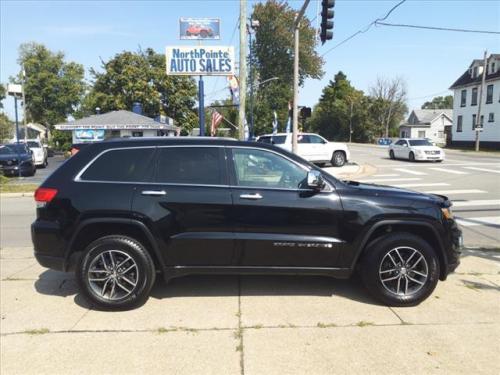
40	154
312	147
415	149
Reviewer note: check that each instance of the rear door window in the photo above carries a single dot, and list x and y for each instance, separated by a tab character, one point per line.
125	165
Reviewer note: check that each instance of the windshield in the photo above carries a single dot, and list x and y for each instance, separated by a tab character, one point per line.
420	142
33	144
11	149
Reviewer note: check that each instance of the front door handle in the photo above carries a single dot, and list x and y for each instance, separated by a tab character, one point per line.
251	196
156	193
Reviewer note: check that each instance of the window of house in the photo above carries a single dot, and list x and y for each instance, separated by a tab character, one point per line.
489	94
463	98
481	121
459	124
137	134
421	134
491	117
473	100
474	122
492	71
474	72
115	134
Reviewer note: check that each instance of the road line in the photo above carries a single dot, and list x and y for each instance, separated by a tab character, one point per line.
427	165
448	171
410	171
448	192
386	175
483	169
475	221
486	202
422	185
391	180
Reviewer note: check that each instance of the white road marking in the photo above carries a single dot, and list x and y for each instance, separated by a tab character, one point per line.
453	171
385	175
410	171
427	165
449	192
391	179
483	169
422	185
474	221
486	202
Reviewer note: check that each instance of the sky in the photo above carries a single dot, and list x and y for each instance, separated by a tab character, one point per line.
89	32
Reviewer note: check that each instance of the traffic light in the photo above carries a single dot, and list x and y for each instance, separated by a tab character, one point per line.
326	20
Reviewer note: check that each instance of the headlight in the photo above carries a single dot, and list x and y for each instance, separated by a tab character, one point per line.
447	213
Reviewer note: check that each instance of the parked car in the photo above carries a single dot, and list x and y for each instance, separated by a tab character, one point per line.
15	157
120	213
311	147
415	149
40	154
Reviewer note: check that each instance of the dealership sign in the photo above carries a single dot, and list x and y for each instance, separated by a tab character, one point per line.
199	28
200	60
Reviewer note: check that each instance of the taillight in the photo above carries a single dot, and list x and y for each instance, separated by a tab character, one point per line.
44	195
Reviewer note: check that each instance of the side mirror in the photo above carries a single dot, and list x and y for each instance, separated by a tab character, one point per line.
315	180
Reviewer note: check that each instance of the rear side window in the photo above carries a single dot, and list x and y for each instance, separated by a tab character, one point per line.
128	165
191	165
265	139
279	139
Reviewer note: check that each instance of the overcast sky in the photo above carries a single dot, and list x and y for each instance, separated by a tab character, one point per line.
429	61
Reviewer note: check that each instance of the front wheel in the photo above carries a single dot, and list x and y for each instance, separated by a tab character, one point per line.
400	269
338	159
116	273
391	155
412	157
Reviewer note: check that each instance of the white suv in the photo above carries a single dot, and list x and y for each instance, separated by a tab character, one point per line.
312	147
40	154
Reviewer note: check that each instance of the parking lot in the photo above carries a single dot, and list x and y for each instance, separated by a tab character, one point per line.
242	324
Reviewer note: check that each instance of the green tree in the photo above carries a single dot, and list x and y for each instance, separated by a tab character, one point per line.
272	49
6	128
141	77
53	87
2	95
439	102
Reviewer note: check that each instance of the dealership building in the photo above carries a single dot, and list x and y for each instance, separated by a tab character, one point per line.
117	124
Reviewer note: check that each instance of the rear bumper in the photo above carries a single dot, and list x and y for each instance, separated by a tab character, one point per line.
47	261
49	244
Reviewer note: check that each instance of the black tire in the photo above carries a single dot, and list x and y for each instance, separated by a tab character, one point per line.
143	274
412	157
45	163
391	155
375	258
439	161
338	159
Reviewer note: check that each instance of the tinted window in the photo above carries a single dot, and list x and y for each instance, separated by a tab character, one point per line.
279	139
261	168
401	143
265	139
190	165
420	142
33	144
133	164
316	139
303	139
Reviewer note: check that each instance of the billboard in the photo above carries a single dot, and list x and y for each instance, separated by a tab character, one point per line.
200	60
88	135
199	28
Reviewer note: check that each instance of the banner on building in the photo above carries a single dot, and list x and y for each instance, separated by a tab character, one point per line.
200	60
199	28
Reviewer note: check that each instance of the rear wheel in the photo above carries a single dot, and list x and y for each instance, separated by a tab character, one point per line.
338	159
391	155
412	156
116	273
400	269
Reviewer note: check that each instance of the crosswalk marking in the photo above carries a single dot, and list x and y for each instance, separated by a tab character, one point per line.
474	221
486	202
453	171
449	192
422	185
483	169
404	170
391	179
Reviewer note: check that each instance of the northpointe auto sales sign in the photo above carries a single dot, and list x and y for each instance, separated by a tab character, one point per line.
200	60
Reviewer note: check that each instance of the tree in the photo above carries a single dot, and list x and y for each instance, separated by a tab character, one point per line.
439	102
6	128
141	77
388	104
53	87
2	95
272	50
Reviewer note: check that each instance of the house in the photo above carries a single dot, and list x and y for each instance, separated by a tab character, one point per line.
427	123
465	104
118	124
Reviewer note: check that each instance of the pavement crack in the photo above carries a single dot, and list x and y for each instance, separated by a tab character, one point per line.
395	313
239	333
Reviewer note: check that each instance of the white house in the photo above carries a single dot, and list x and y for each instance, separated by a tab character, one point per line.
465	104
427	123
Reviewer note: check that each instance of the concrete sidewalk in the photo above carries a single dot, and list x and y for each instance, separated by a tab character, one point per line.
249	325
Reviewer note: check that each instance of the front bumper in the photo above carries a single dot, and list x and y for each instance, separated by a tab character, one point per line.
13	170
429	157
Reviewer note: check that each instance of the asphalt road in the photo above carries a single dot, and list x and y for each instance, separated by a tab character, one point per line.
471	181
41	173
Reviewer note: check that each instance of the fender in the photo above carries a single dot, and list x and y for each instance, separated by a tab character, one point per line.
364	240
111	220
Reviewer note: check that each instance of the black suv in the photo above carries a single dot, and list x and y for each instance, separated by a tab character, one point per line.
119	213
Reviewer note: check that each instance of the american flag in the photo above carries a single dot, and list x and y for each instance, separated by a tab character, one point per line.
216	119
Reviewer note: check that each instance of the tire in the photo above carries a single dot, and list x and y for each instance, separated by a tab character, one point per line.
412	157
391	155
338	159
376	265
131	289
439	161
45	163
203	34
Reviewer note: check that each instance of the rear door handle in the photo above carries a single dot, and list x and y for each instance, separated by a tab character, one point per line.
251	196
155	193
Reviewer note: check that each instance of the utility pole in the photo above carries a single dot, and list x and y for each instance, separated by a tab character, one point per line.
243	69
481	88
350	123
24	107
295	108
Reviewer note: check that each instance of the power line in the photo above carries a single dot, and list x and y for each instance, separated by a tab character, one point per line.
436	28
365	29
431	95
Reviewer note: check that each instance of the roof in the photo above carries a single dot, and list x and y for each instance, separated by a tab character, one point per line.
115	120
466	79
426	116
